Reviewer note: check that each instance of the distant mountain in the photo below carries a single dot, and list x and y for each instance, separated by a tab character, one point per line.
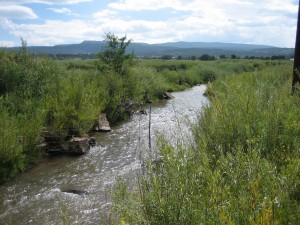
214	45
171	48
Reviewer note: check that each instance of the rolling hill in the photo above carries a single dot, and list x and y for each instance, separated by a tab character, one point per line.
172	48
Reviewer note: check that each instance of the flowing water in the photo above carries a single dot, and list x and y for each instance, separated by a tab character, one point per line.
37	197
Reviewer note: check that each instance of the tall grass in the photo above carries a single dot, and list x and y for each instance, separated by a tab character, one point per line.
245	167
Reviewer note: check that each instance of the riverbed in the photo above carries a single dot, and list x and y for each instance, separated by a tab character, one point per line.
37	197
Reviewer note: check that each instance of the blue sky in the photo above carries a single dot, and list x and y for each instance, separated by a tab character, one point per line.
52	22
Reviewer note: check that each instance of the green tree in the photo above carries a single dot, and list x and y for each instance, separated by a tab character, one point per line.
114	57
223	57
233	56
166	57
206	57
193	57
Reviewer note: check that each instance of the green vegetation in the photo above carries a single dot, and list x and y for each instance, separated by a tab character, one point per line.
114	57
245	165
243	169
38	94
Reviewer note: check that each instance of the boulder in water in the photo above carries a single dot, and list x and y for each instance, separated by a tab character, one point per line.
78	145
168	96
143	111
54	144
92	141
102	124
75	191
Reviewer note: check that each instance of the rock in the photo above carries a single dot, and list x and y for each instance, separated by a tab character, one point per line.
95	127
75	191
102	124
42	145
143	111
52	142
54	149
147	98
55	144
51	137
65	146
78	145
183	82
168	96
92	141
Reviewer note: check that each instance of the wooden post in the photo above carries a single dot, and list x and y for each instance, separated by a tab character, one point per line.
150	129
296	69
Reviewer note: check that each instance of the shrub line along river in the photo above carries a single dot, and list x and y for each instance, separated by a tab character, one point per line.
36	197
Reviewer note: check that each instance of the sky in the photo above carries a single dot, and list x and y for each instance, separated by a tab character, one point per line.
53	22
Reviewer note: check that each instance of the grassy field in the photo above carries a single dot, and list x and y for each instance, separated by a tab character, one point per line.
245	167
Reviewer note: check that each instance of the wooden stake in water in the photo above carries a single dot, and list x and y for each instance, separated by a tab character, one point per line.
150	128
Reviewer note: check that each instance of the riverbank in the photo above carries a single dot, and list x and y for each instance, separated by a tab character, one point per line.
66	97
244	169
37	196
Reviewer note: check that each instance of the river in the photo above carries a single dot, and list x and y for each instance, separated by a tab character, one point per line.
36	197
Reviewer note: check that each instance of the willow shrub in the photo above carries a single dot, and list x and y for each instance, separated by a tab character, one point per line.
252	112
149	81
244	169
11	159
74	107
25	81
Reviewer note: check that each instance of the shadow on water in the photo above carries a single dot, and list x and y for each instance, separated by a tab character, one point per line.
84	183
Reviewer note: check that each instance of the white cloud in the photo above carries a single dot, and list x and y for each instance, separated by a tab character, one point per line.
61	10
51	32
102	15
281	5
270	22
65	11
17	12
48	2
196	5
180	5
6	43
138	5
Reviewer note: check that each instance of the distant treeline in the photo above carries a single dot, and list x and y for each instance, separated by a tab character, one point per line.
73	56
207	57
204	57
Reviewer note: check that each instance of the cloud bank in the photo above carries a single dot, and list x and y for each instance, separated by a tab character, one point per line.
271	22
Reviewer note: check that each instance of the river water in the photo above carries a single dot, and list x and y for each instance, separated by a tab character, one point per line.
36	196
